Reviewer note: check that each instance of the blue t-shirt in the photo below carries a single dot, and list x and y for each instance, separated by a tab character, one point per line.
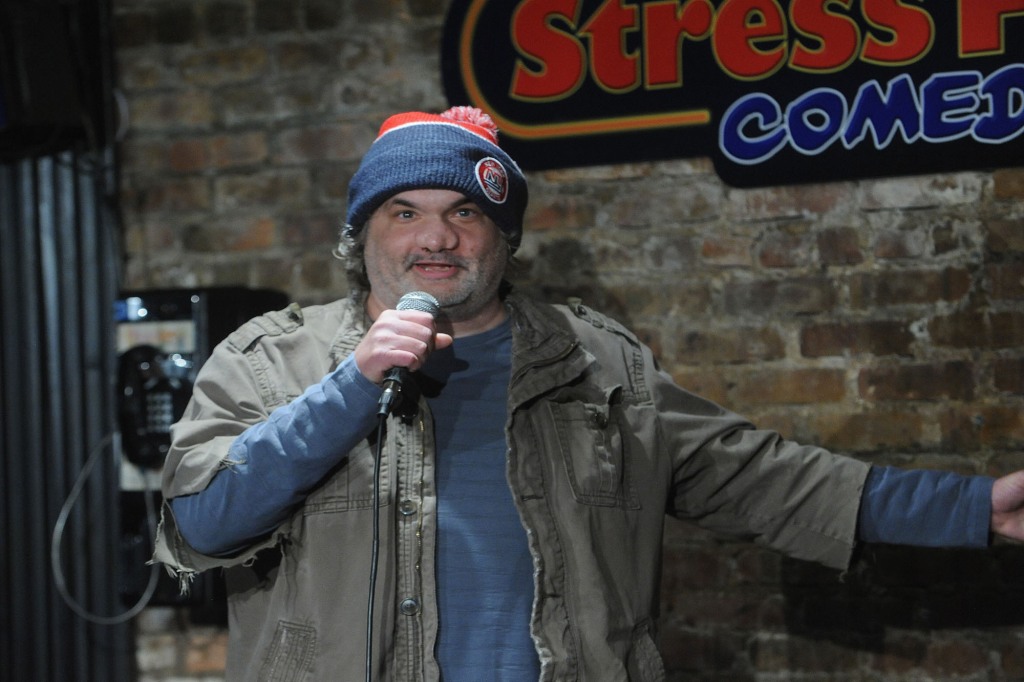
484	569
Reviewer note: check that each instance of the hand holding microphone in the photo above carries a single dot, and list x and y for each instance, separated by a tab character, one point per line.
398	343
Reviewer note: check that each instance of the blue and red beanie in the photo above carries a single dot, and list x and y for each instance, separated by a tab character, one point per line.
456	150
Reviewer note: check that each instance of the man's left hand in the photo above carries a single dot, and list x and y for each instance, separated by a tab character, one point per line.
1008	506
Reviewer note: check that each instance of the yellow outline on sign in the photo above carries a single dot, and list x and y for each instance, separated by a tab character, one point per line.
596	126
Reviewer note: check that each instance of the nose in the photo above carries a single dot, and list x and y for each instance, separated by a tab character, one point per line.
436	234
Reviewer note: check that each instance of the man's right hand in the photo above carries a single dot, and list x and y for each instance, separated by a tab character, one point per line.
398	338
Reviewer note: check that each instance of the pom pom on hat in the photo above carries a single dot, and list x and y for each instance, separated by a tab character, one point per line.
457	150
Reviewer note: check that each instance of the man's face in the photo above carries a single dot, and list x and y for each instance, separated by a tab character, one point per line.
440	242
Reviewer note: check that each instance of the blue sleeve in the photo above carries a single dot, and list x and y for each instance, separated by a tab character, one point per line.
274	464
925	508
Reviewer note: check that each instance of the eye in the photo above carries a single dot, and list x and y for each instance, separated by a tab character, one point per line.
467	212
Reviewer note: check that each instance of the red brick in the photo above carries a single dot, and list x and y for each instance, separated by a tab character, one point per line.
970	428
240	149
294	99
725	250
1008	184
978	330
696	568
276	16
878	337
792	653
630	207
278	188
186	156
1007	280
332	143
795	296
945	381
715	608
790	201
711	385
226	19
231	234
133	28
868	431
900	654
207	652
697	652
1005	236
729	346
225	65
789	386
559	212
1008	375
220	274
181	194
840	246
667	253
331	182
900	245
1005	463
1011	658
757	566
325	14
179	110
955	656
299	55
219	152
314	231
924	191
317	271
144	153
643	300
176	24
160	233
784	250
879	289
945	238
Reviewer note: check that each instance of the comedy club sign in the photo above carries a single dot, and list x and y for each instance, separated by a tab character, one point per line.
774	92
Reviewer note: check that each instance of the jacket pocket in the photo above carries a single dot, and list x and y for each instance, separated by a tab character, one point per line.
644	662
291	654
350	485
593	450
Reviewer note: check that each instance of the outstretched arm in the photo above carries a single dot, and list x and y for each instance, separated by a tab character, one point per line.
1008	506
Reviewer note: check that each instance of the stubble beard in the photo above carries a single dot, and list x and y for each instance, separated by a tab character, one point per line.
475	290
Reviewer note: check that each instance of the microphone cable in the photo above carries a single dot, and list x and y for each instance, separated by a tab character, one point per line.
389	400
375	548
58	535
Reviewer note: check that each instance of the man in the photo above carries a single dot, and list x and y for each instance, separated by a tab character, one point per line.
524	479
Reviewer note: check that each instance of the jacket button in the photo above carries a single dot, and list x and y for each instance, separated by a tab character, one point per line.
407	508
409	607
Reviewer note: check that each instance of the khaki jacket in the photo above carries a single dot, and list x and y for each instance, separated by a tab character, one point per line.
601	446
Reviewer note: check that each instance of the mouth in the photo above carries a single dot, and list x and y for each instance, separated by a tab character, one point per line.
435	268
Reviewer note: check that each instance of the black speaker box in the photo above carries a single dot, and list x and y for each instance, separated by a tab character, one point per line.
49	69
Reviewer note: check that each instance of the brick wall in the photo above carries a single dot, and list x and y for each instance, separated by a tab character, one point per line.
882	318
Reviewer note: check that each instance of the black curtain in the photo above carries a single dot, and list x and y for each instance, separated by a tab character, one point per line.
59	264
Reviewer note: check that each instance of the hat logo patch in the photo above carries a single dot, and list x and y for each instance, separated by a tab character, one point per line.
493	179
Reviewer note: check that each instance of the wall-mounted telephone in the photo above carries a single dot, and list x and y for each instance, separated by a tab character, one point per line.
155	388
163	338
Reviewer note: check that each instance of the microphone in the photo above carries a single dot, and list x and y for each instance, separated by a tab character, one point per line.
396	377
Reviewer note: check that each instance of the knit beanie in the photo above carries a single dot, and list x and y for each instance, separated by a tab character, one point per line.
456	150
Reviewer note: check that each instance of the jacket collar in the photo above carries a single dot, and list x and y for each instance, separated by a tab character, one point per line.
352	326
546	352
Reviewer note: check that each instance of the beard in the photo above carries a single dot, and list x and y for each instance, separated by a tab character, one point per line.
473	291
